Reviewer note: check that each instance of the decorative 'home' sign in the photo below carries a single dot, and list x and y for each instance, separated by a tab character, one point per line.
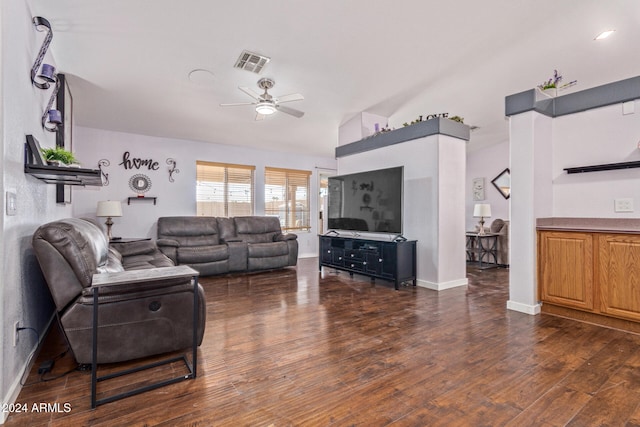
137	163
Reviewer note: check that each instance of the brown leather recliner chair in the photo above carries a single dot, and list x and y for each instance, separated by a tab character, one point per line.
135	320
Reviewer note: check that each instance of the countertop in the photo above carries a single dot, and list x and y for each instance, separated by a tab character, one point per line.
594	225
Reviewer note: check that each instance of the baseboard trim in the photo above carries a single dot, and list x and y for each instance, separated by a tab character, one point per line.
442	285
16	387
592	318
523	308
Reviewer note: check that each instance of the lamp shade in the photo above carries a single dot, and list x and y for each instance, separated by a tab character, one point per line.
109	208
482	210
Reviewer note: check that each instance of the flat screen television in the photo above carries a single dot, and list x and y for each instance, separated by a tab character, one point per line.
366	201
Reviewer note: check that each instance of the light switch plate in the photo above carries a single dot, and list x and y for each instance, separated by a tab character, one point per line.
11	203
628	107
623	205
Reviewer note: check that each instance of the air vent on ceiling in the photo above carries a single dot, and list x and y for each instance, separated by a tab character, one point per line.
251	62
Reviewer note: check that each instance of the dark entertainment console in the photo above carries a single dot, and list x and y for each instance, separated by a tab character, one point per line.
388	260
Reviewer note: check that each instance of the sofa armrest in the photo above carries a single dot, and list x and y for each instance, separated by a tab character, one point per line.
168	242
284	237
134	248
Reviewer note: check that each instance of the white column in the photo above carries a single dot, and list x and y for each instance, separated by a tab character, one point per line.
433	202
531	198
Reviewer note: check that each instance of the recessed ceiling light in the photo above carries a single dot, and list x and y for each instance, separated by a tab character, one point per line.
202	77
604	34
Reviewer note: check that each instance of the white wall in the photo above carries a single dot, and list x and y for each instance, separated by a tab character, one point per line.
486	163
24	296
602	135
433	202
179	197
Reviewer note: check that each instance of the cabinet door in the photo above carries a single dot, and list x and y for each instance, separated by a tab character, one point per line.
325	250
620	275
389	260
373	263
565	268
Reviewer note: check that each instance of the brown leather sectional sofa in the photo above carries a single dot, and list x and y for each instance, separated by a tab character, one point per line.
138	319
215	245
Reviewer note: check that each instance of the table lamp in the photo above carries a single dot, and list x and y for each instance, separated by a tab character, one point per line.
482	210
109	209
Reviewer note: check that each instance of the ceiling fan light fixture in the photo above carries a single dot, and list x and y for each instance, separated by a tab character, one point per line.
265	108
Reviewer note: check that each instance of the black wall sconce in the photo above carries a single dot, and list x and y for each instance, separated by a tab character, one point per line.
51	118
43	77
46	76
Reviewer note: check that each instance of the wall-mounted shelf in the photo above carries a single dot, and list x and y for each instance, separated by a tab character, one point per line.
143	198
58	174
604	167
438	126
65	175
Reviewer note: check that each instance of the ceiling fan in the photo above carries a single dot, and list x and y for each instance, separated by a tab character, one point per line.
267	104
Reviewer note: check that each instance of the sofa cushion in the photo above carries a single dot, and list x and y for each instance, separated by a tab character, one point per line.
114	263
83	245
199	254
146	261
189	230
265	250
257	229
227	229
134	248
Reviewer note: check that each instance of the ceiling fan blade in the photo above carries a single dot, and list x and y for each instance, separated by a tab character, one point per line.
290	97
237	103
259	116
293	112
250	92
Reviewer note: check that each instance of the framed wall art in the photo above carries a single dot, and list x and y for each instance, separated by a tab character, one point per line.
478	188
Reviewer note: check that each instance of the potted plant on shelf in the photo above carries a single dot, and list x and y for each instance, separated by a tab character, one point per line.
58	156
551	86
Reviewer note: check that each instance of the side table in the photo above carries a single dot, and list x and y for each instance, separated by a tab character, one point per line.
113	280
481	248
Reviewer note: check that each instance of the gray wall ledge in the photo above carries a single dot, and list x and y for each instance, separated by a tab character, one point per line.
438	126
599	96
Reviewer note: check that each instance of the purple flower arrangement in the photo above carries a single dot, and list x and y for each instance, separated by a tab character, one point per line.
554	82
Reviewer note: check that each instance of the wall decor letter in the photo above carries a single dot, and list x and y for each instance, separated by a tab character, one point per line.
137	163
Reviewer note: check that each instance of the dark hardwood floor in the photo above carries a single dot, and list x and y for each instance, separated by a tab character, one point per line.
294	347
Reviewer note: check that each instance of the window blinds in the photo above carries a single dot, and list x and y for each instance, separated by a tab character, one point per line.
224	189
287	197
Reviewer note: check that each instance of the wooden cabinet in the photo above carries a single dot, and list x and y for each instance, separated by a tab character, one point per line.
566	269
593	272
619	278
395	261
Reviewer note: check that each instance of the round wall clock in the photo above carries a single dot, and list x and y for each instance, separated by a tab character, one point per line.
140	183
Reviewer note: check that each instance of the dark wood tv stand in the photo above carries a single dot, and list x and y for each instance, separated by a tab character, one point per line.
382	259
